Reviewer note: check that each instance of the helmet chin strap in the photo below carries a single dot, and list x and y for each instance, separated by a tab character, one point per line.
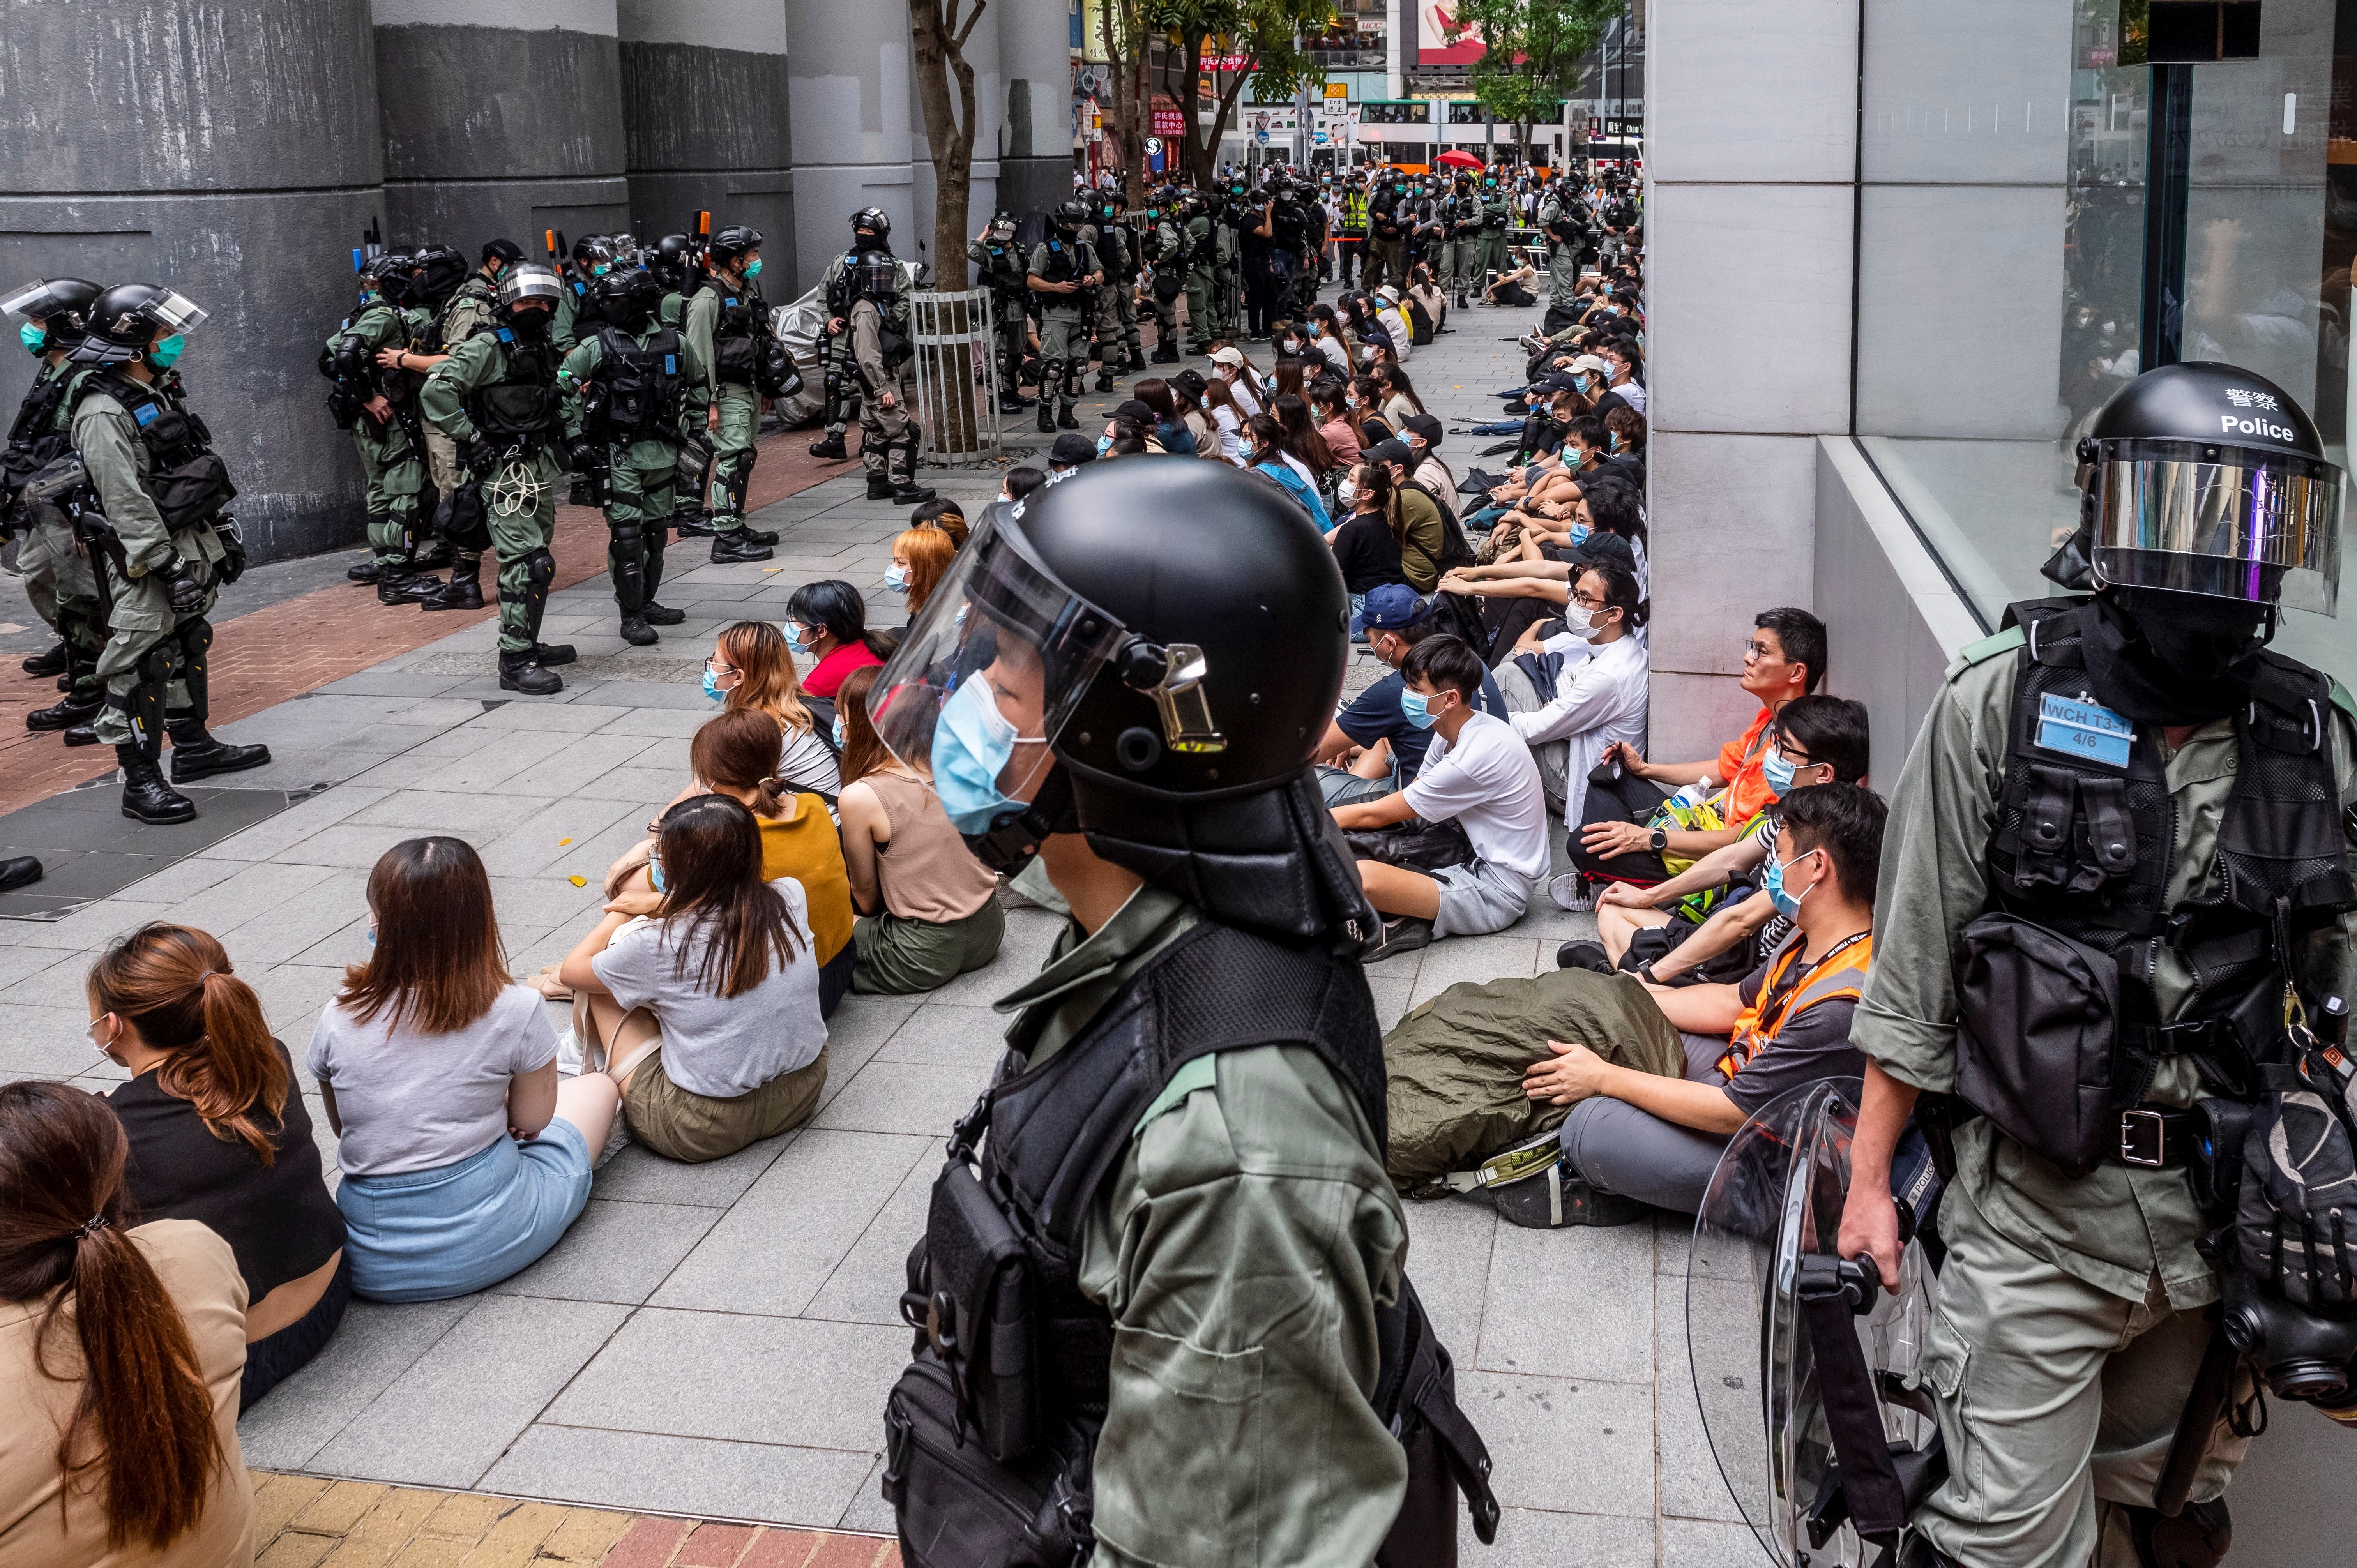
1014	837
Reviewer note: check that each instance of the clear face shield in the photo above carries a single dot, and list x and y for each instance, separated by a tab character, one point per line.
36	300
993	669
2227	522
177	313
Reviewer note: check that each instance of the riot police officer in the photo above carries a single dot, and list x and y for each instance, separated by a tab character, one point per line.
1563	219
674	266
1197	219
1062	270
169	544
593	258
379	406
2115	914
1228	252
1119	347
871	230
1194	1091
1171	258
884	361
1392	216
629	381
59	577
497	397
1496	257
728	322
1463	249
1002	273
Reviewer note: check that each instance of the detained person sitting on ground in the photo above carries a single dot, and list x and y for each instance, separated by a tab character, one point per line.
464	1158
826	622
752	667
1426	526
1667	932
218	1134
920	559
698	992
1786	1024
1371	748
1479	775
1578	685
929	911
1619	839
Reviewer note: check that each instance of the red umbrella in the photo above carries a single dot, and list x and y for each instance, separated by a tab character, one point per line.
1457	158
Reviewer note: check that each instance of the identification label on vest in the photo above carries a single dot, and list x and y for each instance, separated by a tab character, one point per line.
2087	730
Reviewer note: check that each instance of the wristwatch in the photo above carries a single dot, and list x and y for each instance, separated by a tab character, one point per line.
1645	972
1660	840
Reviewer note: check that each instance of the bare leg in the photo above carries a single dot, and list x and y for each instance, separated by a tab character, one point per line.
1395	890
620	1033
589	1101
1616	924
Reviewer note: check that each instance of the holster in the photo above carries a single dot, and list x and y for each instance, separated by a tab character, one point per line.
970	1299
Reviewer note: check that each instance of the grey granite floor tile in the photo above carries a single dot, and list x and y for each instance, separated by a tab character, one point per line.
939	1035
1530	1538
1568	1303
444	1420
374	1345
904	1097
1693	1543
461	813
614	1252
1505	956
1574	1447
698	1476
1450	1244
635	1176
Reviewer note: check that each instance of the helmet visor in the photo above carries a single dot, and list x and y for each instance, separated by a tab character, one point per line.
35	300
2223	521
175	311
994	666
530	280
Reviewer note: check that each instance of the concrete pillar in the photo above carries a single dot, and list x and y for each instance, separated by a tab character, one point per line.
989	112
229	150
502	117
848	101
703	97
1035	59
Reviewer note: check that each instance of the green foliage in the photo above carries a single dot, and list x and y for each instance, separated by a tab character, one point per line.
1534	50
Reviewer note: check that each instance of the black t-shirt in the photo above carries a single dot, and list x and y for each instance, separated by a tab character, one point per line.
279	1220
1367	552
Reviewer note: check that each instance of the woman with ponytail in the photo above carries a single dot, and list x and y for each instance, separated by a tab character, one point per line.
119	1350
218	1134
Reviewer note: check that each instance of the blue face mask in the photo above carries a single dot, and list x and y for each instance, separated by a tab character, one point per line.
1772	883
162	355
973	743
1776	772
655	876
1417	708
712	687
35	339
753	268
803	643
1580	381
1104	444
371	936
838	732
897	579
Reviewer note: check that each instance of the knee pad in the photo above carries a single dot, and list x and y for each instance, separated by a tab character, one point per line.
627	537
540	567
194	635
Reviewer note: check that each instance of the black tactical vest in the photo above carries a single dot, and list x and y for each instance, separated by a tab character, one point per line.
34	439
736	330
2086	835
184	477
636	390
524	404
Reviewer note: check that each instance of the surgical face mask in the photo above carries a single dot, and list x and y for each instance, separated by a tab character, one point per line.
1582	622
1777	772
838	732
1346	492
753	268
1104	444
1772	884
34	337
800	637
371	936
1580	381
973	743
1269	384
896	576
655	876
162	355
1417	708
600	269
101	1045
712	687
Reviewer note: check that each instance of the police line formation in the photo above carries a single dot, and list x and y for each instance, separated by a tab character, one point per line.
2102	1145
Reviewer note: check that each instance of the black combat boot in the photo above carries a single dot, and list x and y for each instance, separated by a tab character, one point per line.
733	547
548	655
1166	353
637	632
1064	420
697	524
1046	416
832	447
197	754
1105	379
1136	356
396	584
663	615
519	672
145	795
363	573
53	663
464	591
879	487
77	708
1009	405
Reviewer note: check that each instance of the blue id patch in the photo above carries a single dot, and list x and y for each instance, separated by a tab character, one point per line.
2084	729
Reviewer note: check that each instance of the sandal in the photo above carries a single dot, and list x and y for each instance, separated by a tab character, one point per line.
548	985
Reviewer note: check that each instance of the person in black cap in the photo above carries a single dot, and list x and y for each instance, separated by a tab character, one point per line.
1066	457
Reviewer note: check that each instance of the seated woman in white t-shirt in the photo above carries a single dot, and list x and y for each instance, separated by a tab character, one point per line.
1478	774
702	990
464	1158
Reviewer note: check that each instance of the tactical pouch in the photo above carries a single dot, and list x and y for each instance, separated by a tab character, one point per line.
2035	1054
734	359
1418	846
775	374
970	1300
957	1507
463	520
1166	288
695	465
189	492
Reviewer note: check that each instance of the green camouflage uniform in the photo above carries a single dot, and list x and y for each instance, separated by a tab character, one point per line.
392	464
523	534
739	402
59	578
639	472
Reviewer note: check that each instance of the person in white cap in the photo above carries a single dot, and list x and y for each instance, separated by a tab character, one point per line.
1395	322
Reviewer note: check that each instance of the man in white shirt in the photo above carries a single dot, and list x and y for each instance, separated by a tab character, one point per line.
1478	774
1595	696
1616	360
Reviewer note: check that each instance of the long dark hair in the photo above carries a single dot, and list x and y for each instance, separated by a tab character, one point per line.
174	985
144	1414
1373	483
863	752
711	853
439	963
1300	433
834	607
1396	378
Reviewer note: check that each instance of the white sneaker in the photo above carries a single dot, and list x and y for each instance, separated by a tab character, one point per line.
568	1054
1564	890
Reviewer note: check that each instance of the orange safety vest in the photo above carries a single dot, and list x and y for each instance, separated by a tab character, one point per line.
1839	975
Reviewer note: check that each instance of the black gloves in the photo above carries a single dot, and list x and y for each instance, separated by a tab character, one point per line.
180	585
583	456
233	542
479	455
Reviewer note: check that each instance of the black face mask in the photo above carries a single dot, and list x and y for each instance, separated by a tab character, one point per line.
2175	659
530	325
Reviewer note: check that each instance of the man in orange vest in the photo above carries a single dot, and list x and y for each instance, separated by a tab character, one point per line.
1786	1024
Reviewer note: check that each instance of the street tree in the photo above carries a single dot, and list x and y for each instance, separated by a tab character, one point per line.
940	29
1261	39
1530	61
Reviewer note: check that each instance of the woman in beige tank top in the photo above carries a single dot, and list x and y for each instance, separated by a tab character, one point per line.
928	910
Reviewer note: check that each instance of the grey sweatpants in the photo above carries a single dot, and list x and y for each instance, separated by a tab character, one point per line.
1621	1149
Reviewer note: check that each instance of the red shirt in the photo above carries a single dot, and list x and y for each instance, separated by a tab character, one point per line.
827	676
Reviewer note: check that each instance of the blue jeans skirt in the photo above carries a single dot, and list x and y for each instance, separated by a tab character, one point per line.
427	1235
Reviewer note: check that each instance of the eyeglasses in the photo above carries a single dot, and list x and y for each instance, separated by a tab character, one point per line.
1756	649
718	666
1589	602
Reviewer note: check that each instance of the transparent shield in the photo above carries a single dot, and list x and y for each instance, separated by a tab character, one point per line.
1776	1198
33	299
2265	533
999	657
177	312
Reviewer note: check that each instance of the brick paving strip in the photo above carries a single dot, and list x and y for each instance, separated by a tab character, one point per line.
304	1522
304	643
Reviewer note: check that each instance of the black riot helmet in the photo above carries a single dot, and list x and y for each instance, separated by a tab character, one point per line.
435	274
388	275
871	228
1002	225
673	262
60	304
592	255
1070	216
627	296
733	244
2202	478
124	319
522	285
1161	689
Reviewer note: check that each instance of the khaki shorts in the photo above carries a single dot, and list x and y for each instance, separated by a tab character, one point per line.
681	1125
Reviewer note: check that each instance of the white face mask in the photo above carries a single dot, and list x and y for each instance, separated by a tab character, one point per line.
1346	492
1581	623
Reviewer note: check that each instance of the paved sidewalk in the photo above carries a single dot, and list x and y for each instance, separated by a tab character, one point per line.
716	1341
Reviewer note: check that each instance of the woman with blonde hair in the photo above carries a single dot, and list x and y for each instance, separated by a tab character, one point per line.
752	666
119	1350
218	1135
